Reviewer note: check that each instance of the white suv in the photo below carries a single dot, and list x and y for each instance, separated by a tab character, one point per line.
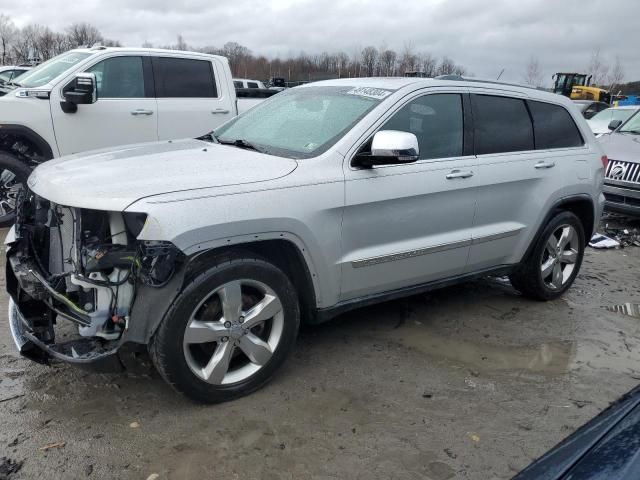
323	198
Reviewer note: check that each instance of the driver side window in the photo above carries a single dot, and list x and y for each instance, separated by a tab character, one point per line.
436	120
119	77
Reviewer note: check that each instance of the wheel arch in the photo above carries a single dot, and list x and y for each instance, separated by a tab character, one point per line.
25	144
286	254
581	205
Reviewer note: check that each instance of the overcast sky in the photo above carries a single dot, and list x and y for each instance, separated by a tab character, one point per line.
484	36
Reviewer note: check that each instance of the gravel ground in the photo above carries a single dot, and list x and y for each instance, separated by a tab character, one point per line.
469	382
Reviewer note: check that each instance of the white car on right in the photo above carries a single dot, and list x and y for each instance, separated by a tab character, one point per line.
600	122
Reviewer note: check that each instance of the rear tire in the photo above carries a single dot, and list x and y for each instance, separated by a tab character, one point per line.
13	178
229	330
555	261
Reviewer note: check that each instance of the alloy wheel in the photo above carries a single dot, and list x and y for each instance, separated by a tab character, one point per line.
559	257
233	332
10	188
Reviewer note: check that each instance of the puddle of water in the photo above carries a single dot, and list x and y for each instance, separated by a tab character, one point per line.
552	358
630	309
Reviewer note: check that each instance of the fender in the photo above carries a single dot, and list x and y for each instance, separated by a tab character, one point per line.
552	210
239	240
25	132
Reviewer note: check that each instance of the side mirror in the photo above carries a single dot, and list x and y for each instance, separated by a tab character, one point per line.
390	147
85	90
614	124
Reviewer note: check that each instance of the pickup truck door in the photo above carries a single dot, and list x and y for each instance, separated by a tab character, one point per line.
410	224
124	113
193	95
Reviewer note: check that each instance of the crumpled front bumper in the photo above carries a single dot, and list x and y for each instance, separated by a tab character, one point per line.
84	351
32	322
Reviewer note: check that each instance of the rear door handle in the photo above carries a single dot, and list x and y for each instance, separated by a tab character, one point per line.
141	111
545	165
459	174
219	110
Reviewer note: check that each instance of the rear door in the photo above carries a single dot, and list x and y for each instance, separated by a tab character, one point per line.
124	113
519	172
191	99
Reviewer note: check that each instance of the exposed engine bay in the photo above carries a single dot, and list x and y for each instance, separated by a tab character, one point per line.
81	266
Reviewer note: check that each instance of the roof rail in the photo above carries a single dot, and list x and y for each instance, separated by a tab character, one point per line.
97	46
460	78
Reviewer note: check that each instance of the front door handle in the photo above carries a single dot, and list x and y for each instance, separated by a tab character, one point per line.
545	165
459	174
219	110
141	111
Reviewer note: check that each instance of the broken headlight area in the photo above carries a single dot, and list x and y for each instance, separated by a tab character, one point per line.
81	267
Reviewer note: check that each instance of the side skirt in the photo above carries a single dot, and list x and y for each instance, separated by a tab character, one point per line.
325	314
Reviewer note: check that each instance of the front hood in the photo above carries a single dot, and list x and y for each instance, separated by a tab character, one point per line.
113	179
621	146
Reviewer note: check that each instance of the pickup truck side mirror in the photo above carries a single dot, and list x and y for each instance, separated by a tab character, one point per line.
390	147
613	124
84	91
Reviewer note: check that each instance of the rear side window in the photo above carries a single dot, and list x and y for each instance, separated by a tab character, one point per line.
502	124
237	84
436	120
183	77
553	126
252	85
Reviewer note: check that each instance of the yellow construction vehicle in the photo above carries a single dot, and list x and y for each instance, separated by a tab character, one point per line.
577	86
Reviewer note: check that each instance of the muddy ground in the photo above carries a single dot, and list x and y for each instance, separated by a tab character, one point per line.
470	382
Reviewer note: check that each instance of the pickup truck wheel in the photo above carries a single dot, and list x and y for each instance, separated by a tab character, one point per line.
555	261
13	177
228	331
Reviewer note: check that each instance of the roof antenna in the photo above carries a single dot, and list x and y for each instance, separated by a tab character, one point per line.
501	72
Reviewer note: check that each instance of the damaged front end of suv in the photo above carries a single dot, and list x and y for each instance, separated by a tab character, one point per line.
81	284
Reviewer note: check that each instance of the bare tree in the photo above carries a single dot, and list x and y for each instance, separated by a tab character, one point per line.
428	64
388	62
598	68
533	74
616	77
408	59
83	34
342	63
7	34
447	66
369	60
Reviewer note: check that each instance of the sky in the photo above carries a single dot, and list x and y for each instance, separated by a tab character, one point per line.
483	36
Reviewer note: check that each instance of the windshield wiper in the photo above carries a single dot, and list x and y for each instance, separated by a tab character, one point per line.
634	132
240	143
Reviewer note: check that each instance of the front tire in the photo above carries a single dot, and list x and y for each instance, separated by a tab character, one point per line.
13	178
555	260
229	330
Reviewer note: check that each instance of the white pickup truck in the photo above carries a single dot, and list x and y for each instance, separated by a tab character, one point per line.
99	97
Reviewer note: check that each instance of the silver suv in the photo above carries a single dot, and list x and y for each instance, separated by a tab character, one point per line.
324	198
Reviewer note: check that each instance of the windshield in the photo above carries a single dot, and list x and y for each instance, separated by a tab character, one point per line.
43	74
302	122
632	126
606	116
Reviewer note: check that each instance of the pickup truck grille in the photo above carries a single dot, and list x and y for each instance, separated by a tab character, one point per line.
623	171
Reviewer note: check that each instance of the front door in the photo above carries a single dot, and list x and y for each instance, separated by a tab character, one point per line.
125	112
410	224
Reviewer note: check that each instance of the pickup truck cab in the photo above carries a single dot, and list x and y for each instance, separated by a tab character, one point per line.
92	98
321	199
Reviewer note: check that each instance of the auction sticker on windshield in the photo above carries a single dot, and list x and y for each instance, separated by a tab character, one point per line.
370	92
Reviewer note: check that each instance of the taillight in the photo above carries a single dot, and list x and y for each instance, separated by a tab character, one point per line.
605	161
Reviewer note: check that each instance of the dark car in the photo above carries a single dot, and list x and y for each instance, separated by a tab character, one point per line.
606	448
622	177
589	108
